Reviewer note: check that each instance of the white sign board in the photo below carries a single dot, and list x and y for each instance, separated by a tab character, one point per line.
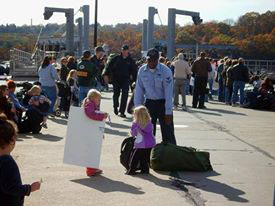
83	140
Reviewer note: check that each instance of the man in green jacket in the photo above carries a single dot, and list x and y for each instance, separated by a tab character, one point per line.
87	73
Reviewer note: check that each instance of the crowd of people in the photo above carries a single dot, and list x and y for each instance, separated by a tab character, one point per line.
233	76
156	84
197	77
68	84
59	87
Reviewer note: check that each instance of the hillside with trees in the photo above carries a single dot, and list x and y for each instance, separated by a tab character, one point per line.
253	34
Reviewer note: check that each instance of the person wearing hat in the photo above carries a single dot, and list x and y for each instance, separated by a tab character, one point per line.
200	69
122	69
154	89
86	73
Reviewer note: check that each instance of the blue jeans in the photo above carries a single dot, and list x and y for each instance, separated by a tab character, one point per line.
228	94
238	85
51	93
210	83
83	91
187	86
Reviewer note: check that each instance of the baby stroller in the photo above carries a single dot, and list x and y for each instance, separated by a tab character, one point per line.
64	98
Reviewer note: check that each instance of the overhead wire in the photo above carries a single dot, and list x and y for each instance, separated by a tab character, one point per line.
159	19
35	47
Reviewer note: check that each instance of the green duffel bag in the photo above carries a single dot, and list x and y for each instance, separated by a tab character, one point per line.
169	157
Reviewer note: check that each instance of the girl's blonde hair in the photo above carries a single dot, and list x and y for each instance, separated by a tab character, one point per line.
141	116
92	94
35	90
71	73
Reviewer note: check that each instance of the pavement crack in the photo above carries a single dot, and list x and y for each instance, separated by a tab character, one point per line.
192	195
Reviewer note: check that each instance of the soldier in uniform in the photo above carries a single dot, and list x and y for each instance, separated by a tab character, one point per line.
154	88
86	73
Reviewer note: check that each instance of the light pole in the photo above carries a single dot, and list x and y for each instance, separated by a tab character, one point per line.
95	26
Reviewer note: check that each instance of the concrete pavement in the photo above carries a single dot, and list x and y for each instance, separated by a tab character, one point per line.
241	143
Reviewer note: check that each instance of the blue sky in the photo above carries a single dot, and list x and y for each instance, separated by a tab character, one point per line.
130	11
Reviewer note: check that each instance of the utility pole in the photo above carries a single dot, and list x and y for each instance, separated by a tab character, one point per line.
95	26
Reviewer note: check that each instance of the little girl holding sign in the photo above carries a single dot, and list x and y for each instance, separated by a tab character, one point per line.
91	107
142	129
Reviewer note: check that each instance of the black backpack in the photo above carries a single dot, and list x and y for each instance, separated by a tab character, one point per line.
126	151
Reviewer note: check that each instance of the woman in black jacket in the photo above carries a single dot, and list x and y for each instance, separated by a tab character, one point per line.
64	71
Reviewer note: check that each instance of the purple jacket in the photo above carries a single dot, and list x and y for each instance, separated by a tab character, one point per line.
144	137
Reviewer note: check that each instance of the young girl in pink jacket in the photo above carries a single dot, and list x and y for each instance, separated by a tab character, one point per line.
91	107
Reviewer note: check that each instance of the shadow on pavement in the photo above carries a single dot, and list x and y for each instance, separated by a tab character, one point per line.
203	112
19	140
20	137
47	137
226	111
128	119
215	102
102	97
117	125
115	132
202	182
157	181
219	112
59	121
106	185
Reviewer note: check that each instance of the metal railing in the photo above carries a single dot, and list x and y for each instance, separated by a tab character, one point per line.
24	62
260	65
253	65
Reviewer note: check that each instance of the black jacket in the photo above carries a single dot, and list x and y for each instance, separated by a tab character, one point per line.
64	72
12	192
72	65
240	73
95	61
121	69
99	64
